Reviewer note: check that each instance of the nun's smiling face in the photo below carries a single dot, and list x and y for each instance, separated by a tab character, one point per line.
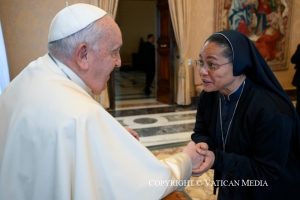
215	69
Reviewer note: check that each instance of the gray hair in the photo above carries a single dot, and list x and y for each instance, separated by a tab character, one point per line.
66	46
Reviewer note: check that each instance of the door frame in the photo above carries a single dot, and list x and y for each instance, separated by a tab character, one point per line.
165	54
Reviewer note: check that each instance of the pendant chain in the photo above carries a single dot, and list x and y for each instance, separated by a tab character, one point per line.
224	140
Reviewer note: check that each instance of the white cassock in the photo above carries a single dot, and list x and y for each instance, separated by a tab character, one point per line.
57	143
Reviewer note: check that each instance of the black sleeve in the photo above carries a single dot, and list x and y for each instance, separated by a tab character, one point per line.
296	56
203	118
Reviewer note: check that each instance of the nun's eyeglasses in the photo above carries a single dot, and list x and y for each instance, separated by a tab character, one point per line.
209	66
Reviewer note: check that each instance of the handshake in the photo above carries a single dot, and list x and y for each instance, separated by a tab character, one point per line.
202	158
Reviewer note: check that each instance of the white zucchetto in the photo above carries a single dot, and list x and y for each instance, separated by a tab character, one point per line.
72	19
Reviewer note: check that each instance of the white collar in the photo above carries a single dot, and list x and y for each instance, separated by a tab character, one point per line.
71	75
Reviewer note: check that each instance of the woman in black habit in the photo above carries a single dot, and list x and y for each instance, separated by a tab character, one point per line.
246	127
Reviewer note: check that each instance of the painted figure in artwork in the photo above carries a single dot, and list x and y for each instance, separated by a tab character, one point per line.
263	21
268	43
240	15
263	9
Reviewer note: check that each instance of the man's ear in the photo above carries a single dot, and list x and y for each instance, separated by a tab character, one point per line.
81	56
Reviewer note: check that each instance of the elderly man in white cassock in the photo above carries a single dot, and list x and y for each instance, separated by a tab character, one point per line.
57	143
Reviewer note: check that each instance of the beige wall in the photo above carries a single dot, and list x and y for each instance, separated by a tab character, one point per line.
25	25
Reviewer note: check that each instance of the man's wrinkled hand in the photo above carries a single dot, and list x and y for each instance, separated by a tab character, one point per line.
191	150
133	133
209	159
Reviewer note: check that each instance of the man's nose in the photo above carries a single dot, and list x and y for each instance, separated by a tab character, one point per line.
118	61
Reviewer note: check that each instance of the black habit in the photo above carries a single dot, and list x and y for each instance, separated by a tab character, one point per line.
260	148
261	159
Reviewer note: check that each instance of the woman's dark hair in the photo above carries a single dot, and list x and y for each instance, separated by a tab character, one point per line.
222	41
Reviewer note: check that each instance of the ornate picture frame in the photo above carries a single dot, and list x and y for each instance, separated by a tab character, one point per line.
265	22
